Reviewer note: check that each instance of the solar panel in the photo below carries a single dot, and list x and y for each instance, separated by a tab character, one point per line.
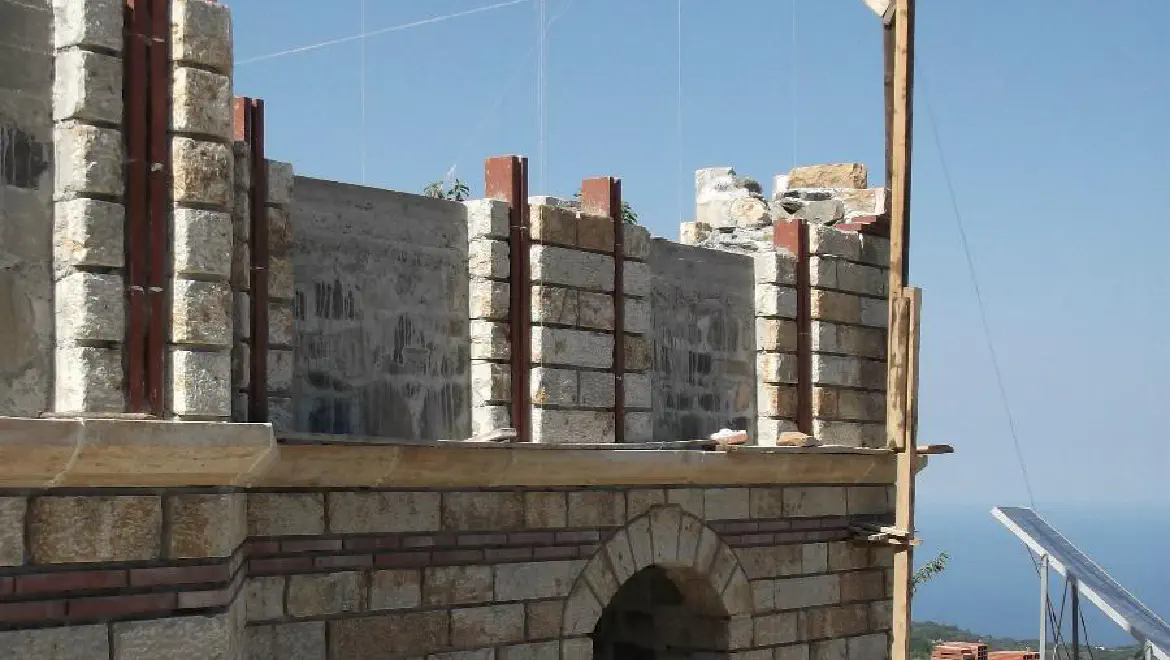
1092	581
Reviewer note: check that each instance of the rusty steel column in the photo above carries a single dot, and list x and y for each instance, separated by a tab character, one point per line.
506	179
258	203
603	196
160	182
793	236
136	39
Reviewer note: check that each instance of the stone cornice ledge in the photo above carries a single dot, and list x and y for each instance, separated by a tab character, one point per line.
111	453
77	453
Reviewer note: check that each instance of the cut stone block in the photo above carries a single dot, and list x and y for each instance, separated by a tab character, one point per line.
848	340
286	514
201	104
280	182
87	86
826	241
203	242
578	348
848	372
488	259
565	267
66	643
201	313
775	301
694	233
776	367
95	23
211	525
87	232
90	307
12	512
383	512
201	383
483	511
487	218
201	170
775	335
848	405
491	382
88	379
324	594
280	371
535	580
88	160
775	268
73	529
776	400
838	175
850	434
554	386
566	426
555	305
201	34
489	341
489	299
847	276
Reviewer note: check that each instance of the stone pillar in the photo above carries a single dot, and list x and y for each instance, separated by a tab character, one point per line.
201	167
572	336
776	358
88	256
849	301
281	334
489	269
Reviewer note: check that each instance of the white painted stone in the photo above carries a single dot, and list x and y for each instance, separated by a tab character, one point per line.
201	383
88	160
90	307
203	242
201	103
775	301
87	86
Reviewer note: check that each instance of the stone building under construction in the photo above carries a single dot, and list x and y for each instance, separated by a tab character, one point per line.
254	415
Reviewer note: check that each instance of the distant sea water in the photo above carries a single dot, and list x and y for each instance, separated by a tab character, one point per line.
990	585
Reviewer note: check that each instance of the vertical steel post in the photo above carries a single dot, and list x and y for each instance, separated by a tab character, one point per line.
137	235
793	237
603	196
1076	618
1043	607
258	205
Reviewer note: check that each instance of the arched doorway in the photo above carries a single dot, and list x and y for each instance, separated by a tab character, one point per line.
662	613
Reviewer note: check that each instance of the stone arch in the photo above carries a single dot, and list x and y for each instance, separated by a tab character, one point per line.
704	569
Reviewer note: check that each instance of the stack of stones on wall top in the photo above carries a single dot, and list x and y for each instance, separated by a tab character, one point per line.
731	212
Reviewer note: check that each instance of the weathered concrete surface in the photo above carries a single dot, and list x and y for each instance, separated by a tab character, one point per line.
703	375
26	217
381	312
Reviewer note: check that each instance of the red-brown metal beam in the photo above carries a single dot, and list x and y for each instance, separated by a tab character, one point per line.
506	179
160	181
603	196
793	236
258	394
137	30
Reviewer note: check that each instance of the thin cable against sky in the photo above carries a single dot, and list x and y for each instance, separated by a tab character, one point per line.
1003	396
362	86
678	173
792	79
379	31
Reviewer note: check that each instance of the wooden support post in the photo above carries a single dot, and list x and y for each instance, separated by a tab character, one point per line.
901	426
603	196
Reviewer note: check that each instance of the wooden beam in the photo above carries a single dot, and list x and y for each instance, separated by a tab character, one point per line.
908	313
901	139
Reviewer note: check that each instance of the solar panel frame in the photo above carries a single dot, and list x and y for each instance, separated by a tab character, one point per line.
1090	579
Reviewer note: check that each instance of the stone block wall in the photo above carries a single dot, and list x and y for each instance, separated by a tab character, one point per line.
489	303
88	257
373	574
278	193
572	275
849	278
704	375
26	206
776	344
381	328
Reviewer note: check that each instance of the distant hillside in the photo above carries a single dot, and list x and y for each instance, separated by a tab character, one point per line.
925	634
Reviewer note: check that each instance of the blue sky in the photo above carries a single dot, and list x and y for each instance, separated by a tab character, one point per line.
1053	116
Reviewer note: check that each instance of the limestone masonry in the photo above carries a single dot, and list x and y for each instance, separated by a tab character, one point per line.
243	411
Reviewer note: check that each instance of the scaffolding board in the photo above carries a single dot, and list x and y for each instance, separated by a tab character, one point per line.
1090	579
